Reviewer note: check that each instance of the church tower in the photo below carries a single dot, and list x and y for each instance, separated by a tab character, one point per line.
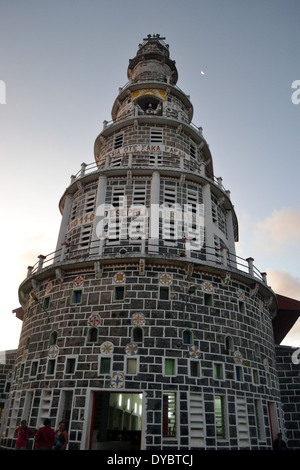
144	330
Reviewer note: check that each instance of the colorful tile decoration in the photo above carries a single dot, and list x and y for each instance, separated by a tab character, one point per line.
49	287
78	281
241	295
207	286
194	352
94	320
131	349
117	380
119	278
107	348
165	279
238	358
138	319
53	351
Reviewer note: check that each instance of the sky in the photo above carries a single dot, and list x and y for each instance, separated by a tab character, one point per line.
61	65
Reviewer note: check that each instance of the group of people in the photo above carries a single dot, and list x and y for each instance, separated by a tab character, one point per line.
48	439
45	438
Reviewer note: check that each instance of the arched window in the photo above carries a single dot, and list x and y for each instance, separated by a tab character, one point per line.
53	338
229	344
137	335
92	336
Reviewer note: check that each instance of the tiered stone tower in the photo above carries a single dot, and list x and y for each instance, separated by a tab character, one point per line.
143	330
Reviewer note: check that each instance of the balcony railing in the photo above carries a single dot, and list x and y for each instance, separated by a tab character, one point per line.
88	168
220	258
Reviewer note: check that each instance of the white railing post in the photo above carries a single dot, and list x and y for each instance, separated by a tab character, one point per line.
82	171
250	266
264	276
41	261
63	250
29	270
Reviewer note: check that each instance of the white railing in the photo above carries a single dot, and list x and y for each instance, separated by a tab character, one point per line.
70	253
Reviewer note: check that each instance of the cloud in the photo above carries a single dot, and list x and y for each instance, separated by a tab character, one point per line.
284	283
279	231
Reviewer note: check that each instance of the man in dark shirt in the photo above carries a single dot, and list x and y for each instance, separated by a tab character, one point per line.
279	443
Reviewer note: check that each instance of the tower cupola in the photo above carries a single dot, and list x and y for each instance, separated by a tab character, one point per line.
152	62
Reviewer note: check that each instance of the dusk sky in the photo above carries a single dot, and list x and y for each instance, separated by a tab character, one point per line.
61	65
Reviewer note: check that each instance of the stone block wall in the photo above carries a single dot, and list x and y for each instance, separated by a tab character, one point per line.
226	328
288	367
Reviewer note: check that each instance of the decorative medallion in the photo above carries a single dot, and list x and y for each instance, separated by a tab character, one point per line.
194	352
53	351
119	277
142	267
241	295
226	280
49	287
238	358
107	348
165	279
117	380
78	281
207	286
131	349
138	319
25	354
94	320
266	364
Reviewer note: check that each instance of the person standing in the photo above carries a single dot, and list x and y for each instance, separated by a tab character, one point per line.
23	435
61	437
45	436
279	443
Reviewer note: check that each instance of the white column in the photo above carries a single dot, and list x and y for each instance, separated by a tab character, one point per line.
99	215
64	224
230	234
153	244
208	222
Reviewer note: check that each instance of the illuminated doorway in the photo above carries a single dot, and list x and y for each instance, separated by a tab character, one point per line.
116	421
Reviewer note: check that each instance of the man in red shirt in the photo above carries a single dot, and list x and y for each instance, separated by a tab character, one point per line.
23	435
45	437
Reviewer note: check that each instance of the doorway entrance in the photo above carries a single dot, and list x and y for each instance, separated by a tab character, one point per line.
116	421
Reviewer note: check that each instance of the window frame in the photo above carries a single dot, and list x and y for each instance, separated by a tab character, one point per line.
73	296
133	360
174	367
166	410
116	288
164	289
218	366
221	436
74	362
53	364
102	359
